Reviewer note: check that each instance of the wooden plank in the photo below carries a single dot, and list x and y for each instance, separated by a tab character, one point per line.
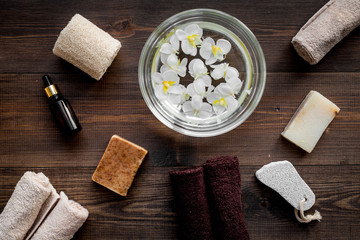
29	32
148	211
115	106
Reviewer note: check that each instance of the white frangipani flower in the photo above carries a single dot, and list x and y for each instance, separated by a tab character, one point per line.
173	63
212	52
231	87
198	87
196	107
221	103
171	47
190	37
164	82
224	71
197	70
178	94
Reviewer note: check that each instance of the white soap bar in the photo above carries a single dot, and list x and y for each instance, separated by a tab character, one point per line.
86	46
310	121
282	177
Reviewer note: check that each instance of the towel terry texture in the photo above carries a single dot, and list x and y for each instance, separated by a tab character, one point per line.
63	221
222	181
30	212
44	211
191	203
326	28
24	205
222	178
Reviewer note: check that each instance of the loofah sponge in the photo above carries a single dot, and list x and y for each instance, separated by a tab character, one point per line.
86	46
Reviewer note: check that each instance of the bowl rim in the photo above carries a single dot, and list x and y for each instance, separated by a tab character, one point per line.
253	102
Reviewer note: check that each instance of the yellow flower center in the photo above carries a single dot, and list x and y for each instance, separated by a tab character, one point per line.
220	102
192	38
167	84
215	49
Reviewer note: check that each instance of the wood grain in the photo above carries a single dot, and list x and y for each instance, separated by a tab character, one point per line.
30	140
149	205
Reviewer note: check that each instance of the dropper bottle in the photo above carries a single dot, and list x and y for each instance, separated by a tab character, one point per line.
61	109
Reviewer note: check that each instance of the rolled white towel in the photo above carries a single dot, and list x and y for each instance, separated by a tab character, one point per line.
24	205
63	221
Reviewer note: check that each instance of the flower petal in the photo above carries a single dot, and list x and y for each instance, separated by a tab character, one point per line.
187	108
232	103
218	109
235	83
193	29
212	97
209	40
199	87
196	102
206	79
188	48
175	89
170	75
205	51
191	90
205	111
181	71
163	58
172	61
159	92
199	67
217	73
164	68
157	78
166	48
210	61
224	89
174	98
174	41
181	34
224	45
184	62
231	72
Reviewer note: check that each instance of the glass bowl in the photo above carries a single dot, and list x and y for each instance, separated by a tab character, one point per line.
246	56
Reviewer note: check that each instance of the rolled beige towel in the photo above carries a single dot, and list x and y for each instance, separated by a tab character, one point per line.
24	205
86	46
47	206
326	28
63	221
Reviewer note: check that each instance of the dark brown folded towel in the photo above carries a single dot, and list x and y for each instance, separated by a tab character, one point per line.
223	182
191	203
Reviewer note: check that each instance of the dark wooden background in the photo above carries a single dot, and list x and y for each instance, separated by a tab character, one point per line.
30	140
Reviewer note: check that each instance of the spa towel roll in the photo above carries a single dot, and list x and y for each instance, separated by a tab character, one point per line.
326	28
24	205
47	206
63	221
222	178
86	46
191	203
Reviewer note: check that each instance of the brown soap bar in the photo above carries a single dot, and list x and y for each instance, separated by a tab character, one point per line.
119	164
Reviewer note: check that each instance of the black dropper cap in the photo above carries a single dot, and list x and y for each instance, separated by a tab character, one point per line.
47	80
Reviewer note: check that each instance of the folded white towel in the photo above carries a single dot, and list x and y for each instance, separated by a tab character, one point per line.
24	205
63	221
